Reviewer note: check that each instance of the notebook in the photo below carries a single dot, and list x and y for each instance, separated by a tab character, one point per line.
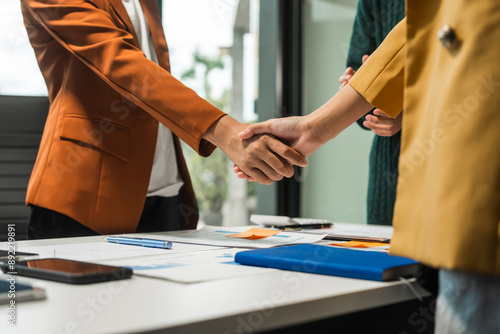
326	260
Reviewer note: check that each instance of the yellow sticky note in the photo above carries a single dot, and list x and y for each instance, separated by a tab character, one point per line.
360	244
254	233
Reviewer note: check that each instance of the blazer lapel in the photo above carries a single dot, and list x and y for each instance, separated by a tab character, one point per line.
122	13
152	13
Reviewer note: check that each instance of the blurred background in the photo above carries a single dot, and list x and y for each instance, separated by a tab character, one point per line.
254	60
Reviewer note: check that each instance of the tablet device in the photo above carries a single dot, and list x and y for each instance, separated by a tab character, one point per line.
67	271
19	292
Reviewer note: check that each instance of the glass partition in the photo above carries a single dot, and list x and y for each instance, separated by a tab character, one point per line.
334	184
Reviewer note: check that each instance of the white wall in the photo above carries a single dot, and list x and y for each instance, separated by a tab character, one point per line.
335	182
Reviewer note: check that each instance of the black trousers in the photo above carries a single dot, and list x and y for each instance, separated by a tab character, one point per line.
159	214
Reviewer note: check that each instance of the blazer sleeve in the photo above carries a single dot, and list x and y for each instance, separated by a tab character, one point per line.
380	80
90	34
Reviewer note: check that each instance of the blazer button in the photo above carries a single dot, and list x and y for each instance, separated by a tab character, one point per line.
448	38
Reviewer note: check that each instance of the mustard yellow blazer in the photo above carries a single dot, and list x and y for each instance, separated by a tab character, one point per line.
442	66
107	98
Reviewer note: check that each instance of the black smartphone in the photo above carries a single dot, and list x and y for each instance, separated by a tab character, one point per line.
67	271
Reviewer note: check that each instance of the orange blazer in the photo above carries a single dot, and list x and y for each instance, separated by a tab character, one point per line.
96	153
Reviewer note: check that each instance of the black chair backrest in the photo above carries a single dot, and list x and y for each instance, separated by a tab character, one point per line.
22	119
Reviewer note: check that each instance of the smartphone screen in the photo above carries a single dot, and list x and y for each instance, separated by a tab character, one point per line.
68	271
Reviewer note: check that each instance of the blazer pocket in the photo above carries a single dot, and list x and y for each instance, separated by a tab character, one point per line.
97	133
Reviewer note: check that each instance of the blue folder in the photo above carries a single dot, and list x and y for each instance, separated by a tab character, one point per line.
326	260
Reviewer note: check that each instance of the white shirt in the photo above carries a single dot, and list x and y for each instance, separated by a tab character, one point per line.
165	179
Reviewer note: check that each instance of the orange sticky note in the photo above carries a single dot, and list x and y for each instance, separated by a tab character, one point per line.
360	244
254	233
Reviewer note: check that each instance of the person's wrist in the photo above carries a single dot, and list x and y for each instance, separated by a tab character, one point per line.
318	133
338	113
221	132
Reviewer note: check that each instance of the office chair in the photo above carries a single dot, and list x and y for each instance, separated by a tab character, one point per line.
22	119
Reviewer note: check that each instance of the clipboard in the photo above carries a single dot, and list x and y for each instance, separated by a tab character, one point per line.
356	232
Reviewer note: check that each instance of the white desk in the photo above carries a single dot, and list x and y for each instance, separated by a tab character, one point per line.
237	305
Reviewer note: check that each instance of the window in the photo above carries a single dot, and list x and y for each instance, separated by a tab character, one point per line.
213	50
19	72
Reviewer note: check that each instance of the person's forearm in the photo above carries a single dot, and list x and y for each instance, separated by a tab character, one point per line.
306	134
338	113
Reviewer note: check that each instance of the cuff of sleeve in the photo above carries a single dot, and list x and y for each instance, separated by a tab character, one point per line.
381	78
205	148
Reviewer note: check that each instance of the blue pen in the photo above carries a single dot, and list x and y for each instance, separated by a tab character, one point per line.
140	242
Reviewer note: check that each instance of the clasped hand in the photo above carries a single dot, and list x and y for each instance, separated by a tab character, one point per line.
296	132
261	157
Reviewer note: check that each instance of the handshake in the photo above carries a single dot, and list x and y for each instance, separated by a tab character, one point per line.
297	140
266	152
